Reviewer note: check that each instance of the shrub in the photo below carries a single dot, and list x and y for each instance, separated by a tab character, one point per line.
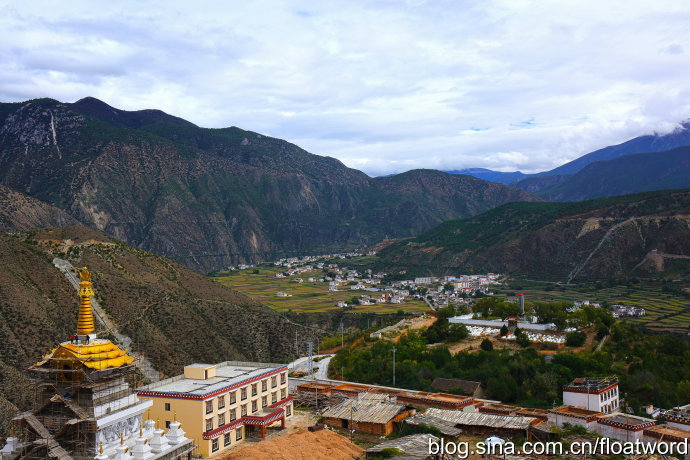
575	339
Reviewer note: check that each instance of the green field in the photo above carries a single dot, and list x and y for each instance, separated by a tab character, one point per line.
666	311
305	297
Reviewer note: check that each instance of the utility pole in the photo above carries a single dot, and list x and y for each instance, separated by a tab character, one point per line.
310	351
342	334
394	366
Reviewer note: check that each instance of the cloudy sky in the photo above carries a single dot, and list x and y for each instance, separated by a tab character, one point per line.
384	86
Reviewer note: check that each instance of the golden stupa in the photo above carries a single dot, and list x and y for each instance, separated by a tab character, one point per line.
84	347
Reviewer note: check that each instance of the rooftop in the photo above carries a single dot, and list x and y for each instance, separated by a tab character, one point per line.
591	384
667	431
454	418
625	420
228	373
467	386
576	412
370	408
415	446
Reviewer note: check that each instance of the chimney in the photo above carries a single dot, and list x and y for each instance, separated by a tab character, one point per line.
521	296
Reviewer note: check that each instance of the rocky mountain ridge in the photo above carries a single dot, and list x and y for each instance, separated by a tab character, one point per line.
213	197
569	242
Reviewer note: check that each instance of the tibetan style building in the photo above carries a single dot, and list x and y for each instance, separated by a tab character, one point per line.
84	407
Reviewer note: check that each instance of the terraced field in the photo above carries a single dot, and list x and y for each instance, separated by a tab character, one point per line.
666	312
306	297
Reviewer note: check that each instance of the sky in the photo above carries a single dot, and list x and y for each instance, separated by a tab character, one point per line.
384	86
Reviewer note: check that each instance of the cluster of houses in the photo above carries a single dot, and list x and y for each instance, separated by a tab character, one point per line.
590	403
437	291
620	311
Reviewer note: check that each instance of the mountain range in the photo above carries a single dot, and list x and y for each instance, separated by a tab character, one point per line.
499	177
209	198
597	239
565	182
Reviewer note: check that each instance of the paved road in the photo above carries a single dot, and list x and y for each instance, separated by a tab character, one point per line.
321	367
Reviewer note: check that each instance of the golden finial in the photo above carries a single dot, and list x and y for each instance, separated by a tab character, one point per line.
100	450
141	430
175	416
122	439
157	422
84	274
85	324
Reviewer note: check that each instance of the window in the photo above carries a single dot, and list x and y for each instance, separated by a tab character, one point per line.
243	394
227	440
264	401
221	420
167	407
233	415
254	389
221	401
274	397
282	393
264	385
209	424
167	424
288	410
274	381
254	406
238	434
244	410
214	445
233	397
209	406
283	377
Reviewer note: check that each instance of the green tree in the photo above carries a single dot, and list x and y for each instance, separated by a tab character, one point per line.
575	339
487	345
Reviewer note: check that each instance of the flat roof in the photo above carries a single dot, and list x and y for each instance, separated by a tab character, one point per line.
631	420
576	411
228	373
668	430
591	384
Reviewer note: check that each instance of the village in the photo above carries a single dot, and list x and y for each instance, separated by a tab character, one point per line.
88	409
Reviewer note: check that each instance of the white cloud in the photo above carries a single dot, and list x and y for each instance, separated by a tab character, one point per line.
383	86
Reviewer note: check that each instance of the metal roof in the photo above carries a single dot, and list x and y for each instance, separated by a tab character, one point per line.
415	446
510	422
371	408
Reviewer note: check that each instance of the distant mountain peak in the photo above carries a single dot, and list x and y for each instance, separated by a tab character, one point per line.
124	118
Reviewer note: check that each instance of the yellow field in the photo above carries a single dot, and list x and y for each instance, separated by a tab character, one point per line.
305	297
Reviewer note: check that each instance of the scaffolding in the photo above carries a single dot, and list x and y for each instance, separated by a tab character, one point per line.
69	398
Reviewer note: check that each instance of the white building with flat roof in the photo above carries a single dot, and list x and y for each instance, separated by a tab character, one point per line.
593	393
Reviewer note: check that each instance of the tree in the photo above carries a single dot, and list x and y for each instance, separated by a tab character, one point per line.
575	339
602	331
504	330
522	339
487	345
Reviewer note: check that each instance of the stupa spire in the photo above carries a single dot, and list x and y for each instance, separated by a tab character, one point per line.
85	323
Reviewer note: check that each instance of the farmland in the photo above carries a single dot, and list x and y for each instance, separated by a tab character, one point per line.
667	310
305	297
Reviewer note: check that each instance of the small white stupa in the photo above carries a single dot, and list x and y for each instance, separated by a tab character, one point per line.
159	442
141	449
